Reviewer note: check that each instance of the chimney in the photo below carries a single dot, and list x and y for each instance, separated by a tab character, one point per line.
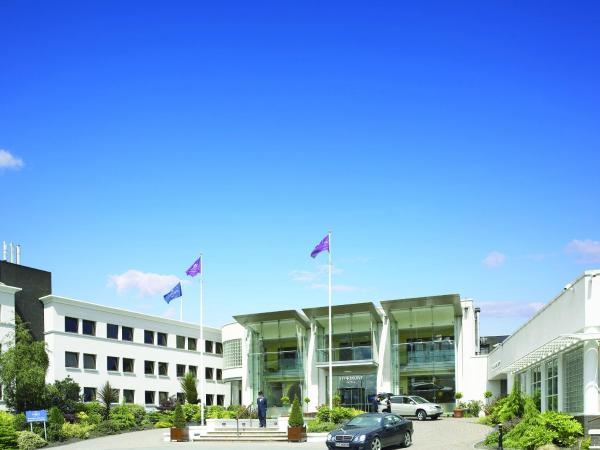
4	250
11	252
477	340
18	254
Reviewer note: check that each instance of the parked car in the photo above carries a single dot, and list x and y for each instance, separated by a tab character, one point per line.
372	431
413	405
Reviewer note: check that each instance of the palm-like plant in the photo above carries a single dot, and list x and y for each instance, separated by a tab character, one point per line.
107	397
188	385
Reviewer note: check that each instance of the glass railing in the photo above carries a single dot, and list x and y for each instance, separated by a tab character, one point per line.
287	361
359	353
418	354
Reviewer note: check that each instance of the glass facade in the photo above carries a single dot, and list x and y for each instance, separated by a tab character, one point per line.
573	380
423	353
232	353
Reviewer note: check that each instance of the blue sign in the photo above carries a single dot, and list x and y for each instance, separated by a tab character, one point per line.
36	416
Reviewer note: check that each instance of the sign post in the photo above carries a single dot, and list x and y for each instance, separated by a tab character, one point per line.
37	416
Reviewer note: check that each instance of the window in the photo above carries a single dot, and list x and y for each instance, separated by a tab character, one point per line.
162	339
112	331
180	370
536	386
208	373
71	359
193	370
128	395
219	375
71	325
163	397
191	343
552	385
232	353
149	397
208	346
128	365
89	361
112	363
163	368
117	396
127	333
573	381
88	327
149	367
218	348
220	400
89	394
209	399
180	342
148	337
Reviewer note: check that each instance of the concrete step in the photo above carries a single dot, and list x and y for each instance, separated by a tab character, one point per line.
241	438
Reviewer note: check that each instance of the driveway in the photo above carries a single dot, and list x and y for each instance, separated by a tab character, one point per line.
445	433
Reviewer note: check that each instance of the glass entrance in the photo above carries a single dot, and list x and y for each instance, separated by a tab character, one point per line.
353	398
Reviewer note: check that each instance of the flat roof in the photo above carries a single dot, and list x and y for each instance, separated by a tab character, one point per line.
344	309
272	315
419	302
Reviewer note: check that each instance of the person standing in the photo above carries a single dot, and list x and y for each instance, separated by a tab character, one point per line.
388	404
261	403
375	404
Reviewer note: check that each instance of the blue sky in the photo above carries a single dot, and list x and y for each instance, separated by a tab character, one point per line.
449	147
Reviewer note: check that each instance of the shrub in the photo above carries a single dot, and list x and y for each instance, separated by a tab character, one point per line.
8	435
127	416
586	443
296	419
63	394
214	412
163	424
192	412
566	429
106	427
337	414
336	400
285	400
188	385
77	430
27	440
55	423
473	408
314	426
179	419
107	396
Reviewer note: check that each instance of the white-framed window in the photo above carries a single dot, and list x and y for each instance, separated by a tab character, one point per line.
552	385
536	386
573	380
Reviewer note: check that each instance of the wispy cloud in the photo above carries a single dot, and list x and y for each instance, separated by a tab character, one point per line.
509	308
8	161
307	276
335	287
494	259
586	250
145	283
170	313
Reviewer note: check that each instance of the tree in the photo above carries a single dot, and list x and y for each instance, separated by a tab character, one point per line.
107	397
296	419
23	368
63	394
179	419
188	384
55	423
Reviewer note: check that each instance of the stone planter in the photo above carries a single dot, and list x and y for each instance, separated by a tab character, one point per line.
296	434
458	413
179	434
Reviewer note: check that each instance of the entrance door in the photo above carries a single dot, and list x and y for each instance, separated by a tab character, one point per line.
353	398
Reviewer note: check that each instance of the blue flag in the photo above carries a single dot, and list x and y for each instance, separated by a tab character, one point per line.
173	293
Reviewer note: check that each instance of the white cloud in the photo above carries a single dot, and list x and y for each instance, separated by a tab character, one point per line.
308	276
170	313
494	259
588	251
509	309
8	161
335	287
145	283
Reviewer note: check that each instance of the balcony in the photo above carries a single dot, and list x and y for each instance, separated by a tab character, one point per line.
359	354
282	363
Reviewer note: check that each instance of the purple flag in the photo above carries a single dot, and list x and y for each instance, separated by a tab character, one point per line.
321	246
195	268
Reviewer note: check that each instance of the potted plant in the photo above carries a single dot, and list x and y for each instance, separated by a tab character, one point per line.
285	401
296	428
306	402
458	409
179	432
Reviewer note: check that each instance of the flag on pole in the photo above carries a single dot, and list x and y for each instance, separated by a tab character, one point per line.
195	268
173	293
321	246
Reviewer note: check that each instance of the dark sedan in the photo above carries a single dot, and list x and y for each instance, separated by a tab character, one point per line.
372	432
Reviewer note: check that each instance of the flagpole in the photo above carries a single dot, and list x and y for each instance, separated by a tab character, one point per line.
330	330
181	310
202	344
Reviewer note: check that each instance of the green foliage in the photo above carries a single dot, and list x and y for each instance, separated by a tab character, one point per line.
107	397
8	435
586	443
192	412
20	423
296	419
77	430
128	415
56	420
336	400
473	408
458	395
63	394
106	427
565	428
306	400
90	413
163	424
285	400
23	369
216	412
487	394
27	440
179	418
188	385
314	426
336	415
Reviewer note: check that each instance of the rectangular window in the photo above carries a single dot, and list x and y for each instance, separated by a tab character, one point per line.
552	385
88	327
191	343
163	368
71	359
573	381
148	337
128	365
149	397
208	373
180	370
71	325
127	333
112	363
149	367
220	400
209	399
218	348
89	361
128	395
112	331
89	394
180	342
193	370
117	396
208	346
163	397
219	375
536	386
162	339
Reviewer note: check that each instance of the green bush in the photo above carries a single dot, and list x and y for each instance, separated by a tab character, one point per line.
586	443
296	419
336	415
8	435
314	426
179	419
77	430
163	424
106	427
20	423
27	440
567	430
192	412
55	423
127	416
473	408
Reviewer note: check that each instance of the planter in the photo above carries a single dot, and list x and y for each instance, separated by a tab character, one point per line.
458	413
179	434
297	434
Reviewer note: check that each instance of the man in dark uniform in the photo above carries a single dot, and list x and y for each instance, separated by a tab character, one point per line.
261	402
375	403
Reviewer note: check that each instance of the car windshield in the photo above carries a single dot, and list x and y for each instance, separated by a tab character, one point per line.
418	399
363	422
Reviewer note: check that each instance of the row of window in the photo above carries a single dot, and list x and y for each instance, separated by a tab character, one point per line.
127	365
88	327
89	395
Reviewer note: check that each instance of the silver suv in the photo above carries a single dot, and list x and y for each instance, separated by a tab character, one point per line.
413	405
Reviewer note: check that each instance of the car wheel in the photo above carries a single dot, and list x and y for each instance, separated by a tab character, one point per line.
407	439
421	415
375	444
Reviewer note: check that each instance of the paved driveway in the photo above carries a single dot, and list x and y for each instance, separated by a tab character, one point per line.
443	434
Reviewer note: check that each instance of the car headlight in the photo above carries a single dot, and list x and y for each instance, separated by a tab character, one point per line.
329	437
360	438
